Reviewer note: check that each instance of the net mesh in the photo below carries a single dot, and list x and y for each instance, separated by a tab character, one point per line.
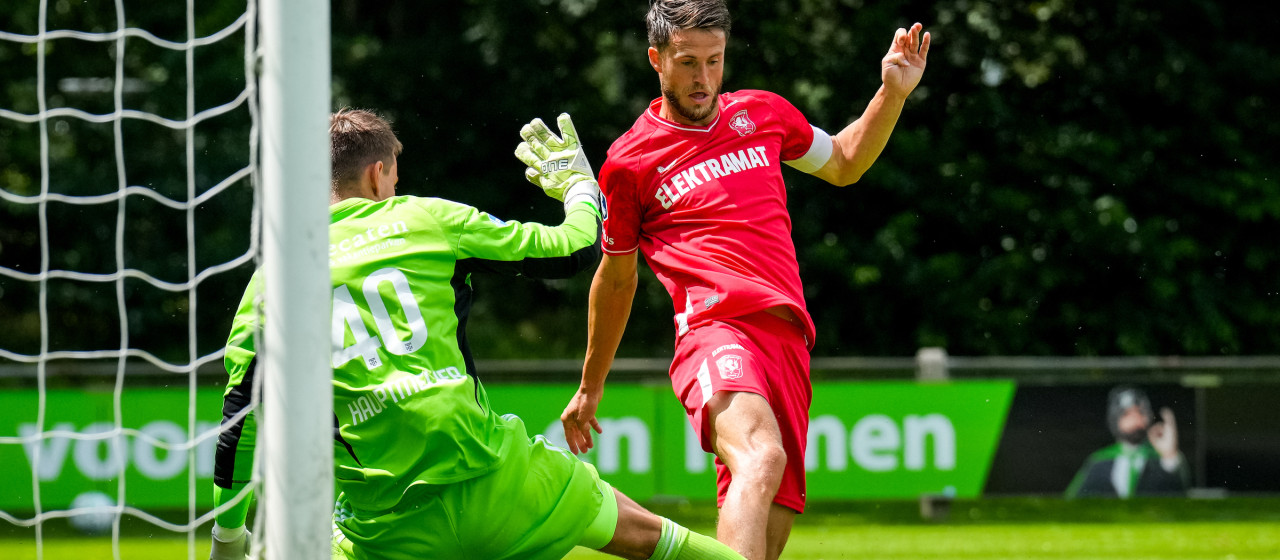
128	159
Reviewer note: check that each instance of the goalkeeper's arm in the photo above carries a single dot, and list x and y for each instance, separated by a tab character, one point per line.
233	458
487	244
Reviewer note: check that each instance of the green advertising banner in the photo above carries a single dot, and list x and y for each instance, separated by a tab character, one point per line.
81	454
901	440
867	440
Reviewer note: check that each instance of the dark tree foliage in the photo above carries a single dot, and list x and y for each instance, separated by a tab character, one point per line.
1071	178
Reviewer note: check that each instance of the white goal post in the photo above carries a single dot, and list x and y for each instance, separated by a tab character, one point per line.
297	388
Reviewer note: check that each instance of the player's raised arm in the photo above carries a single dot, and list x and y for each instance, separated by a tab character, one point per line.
857	146
612	291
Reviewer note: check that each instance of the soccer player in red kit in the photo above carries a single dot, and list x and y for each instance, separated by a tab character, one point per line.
696	187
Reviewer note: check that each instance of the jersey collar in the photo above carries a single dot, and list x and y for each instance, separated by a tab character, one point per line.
656	105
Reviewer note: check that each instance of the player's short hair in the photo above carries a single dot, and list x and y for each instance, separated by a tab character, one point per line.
665	17
358	138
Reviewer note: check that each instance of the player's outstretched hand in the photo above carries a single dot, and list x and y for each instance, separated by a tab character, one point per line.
903	66
556	163
578	419
235	549
1164	434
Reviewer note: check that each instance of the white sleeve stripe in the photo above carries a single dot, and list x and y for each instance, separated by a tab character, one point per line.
622	252
817	156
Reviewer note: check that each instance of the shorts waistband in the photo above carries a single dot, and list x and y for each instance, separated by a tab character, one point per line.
779	318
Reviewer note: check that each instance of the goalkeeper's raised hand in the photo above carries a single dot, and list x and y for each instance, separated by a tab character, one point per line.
557	164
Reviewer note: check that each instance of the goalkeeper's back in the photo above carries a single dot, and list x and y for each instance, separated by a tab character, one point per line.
409	410
409	407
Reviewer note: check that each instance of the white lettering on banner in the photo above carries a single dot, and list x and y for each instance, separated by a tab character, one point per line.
146	455
606	455
104	458
876	441
636	434
944	442
713	168
830	431
205	450
53	452
91	460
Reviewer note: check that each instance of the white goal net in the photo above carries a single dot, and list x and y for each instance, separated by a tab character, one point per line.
128	164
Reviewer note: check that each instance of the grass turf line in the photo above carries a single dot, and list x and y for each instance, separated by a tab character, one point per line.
990	529
1049	541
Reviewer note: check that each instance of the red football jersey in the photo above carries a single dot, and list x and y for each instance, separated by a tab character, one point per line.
707	206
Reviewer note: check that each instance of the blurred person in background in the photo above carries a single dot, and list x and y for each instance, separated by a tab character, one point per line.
1144	460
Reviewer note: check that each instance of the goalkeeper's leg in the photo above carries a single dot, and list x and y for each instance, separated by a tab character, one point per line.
642	535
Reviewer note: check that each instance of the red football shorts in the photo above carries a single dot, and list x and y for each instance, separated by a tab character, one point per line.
758	353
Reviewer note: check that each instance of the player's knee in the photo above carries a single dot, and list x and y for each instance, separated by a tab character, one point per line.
763	464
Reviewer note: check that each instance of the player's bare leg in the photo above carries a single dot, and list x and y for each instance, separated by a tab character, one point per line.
638	530
745	435
780	520
643	535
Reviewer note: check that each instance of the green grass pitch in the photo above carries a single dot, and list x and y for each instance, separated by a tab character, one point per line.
1008	529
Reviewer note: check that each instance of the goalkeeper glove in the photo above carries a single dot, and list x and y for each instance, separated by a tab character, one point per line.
235	547
558	165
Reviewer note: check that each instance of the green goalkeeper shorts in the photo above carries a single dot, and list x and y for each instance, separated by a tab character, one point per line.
540	503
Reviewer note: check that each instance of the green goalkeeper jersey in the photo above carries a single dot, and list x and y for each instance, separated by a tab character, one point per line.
408	407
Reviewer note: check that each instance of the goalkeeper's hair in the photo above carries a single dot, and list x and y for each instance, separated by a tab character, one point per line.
668	16
358	138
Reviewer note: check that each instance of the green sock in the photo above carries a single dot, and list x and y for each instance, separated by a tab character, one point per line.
679	543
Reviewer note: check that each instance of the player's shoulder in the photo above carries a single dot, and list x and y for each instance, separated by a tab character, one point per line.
439	211
1108	453
634	139
755	97
627	150
424	201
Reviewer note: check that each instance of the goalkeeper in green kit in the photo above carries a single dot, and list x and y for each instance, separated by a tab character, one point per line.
425	468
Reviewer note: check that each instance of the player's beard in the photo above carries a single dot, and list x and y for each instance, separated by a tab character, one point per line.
693	114
1134	437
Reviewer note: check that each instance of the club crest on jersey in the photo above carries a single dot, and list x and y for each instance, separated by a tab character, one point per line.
730	366
742	123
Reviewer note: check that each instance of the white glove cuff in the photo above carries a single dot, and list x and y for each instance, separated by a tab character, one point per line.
584	190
